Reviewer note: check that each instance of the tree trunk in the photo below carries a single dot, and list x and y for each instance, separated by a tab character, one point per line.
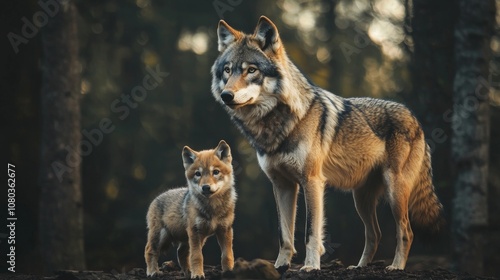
471	127
61	213
432	71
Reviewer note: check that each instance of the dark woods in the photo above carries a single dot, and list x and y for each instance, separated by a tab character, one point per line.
101	96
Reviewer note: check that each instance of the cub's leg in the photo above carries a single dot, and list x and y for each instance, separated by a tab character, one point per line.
225	239
196	242
183	258
158	241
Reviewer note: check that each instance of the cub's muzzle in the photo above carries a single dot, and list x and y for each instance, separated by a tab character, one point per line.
205	189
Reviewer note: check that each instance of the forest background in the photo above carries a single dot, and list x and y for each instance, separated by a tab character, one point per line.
130	134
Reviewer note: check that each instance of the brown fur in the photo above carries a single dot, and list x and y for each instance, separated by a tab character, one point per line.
186	217
306	136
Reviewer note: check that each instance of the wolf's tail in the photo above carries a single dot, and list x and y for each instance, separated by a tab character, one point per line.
425	208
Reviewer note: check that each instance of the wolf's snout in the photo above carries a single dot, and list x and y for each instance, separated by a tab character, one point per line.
227	96
206	189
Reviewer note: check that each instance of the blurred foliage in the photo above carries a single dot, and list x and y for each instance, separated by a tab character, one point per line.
353	48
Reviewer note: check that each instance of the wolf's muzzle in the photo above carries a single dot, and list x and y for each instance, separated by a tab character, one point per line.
227	96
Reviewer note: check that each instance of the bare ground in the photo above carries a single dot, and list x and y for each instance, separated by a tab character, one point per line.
258	269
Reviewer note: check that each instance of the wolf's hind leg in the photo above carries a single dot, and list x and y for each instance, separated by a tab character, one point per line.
365	200
398	199
285	193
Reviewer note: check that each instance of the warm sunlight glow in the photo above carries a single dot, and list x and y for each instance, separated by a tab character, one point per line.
139	172
390	9
112	189
307	21
352	10
85	86
197	42
388	36
149	57
323	55
385	28
143	3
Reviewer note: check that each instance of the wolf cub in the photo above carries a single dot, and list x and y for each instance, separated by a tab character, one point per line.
186	217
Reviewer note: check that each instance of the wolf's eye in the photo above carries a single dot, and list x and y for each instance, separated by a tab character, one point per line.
251	70
197	174
227	69
216	172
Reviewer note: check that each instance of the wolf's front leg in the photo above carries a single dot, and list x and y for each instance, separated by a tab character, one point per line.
313	193
225	239
196	241
285	193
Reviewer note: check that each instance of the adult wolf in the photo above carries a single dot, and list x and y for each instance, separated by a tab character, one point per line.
306	136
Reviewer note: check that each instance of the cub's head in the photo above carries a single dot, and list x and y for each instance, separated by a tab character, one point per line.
247	71
209	172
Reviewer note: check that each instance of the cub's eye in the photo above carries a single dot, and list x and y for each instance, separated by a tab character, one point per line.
227	69
216	172
251	70
197	174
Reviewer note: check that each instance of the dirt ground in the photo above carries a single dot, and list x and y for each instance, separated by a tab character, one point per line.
258	269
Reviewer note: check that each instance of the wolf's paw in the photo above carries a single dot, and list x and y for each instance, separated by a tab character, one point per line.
281	264
308	268
282	268
392	267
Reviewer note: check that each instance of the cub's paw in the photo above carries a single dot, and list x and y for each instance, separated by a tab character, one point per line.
198	276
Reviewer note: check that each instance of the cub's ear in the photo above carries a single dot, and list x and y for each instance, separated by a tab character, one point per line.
267	34
188	156
226	35
224	152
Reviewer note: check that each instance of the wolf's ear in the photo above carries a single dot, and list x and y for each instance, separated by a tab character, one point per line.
267	34
188	156
226	35
223	151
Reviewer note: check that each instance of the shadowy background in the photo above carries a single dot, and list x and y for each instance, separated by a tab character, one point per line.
352	48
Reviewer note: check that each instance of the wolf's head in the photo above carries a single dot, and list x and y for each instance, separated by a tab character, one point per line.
209	172
248	71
